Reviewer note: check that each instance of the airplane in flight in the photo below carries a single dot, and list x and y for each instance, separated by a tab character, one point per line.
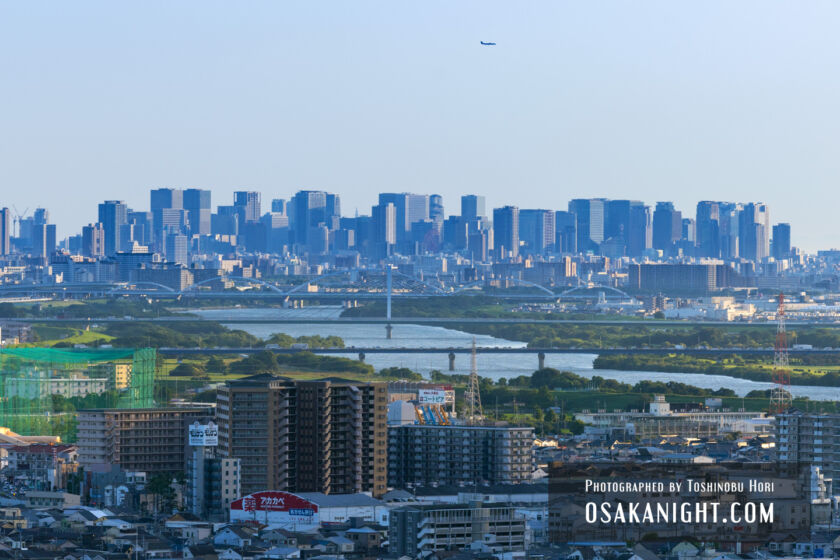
487	44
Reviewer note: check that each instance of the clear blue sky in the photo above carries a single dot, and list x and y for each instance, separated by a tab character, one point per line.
651	100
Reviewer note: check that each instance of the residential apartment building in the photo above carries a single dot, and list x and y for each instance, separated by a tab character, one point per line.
150	440
327	435
420	530
429	454
212	484
811	438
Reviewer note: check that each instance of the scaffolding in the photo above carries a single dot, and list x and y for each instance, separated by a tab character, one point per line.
33	380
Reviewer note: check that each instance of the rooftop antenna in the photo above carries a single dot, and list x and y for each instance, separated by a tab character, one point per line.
473	392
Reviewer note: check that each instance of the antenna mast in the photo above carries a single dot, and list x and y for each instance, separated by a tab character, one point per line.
473	394
780	397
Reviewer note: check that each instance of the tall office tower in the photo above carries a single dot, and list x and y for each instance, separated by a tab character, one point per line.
565	229
618	223
309	210
225	221
436	210
781	241
93	240
278	205
384	224
536	230
590	213
176	248
667	226
410	208
160	200
247	205
640	231
730	217
456	232
113	214
43	239
142	230
472	207
5	231
689	231
41	216
325	435
427	454
197	205
506	232
754	229
708	229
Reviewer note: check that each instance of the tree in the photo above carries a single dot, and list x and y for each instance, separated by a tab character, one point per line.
539	418
551	419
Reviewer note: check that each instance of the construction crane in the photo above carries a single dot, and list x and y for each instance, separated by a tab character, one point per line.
17	218
780	397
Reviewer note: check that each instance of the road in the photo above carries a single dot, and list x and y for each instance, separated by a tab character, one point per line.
419	321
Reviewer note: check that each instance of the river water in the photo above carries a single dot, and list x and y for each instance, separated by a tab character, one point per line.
493	366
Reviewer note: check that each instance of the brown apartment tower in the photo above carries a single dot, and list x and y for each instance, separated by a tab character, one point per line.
327	435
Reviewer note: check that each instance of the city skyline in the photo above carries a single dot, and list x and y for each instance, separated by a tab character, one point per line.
570	102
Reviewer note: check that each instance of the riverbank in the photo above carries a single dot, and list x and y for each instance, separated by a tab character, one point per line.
726	366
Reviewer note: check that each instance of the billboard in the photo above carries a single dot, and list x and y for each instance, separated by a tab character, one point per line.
431	396
203	435
274	508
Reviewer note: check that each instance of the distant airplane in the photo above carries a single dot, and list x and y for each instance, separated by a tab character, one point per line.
488	44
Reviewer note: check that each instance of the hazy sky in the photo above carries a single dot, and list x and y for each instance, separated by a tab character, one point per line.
636	99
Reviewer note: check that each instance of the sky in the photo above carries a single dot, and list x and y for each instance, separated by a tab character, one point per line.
650	100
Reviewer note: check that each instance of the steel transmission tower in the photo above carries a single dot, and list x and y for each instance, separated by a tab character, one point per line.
780	397
473	394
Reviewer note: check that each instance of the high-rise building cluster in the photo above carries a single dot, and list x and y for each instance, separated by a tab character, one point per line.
181	224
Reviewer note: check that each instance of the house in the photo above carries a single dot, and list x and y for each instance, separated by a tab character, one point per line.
201	552
282	552
343	545
364	538
233	535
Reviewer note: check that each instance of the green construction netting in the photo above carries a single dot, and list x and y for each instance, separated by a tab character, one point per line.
62	355
41	388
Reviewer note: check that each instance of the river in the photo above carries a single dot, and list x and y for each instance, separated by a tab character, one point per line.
493	366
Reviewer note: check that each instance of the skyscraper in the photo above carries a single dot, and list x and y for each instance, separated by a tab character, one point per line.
197	205
619	221
384	224
93	240
536	230
667	226
472	207
176	248
565	230
640	232
506	232
5	231
436	210
160	200
781	241
590	214
309	209
43	239
247	205
113	214
754	232
708	229
410	208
